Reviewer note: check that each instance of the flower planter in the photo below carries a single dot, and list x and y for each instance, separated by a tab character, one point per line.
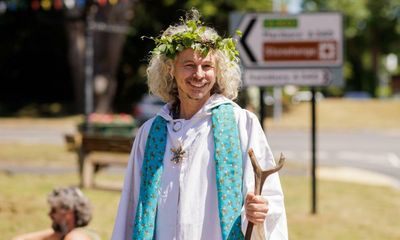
109	125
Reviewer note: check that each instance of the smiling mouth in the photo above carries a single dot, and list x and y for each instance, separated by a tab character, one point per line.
197	84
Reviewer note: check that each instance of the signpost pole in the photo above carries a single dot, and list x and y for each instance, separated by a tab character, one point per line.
262	107
89	50
313	152
304	50
281	8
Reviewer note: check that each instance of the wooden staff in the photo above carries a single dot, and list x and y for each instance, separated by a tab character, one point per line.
260	177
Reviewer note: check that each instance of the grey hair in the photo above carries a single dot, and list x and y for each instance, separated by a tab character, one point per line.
160	70
72	198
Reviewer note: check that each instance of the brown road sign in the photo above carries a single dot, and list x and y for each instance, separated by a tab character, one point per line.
300	51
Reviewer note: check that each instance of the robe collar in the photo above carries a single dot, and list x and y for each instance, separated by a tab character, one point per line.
205	111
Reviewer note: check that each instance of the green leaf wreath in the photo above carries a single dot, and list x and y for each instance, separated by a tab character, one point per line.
171	45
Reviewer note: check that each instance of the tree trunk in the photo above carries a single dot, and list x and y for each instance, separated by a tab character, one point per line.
375	68
108	45
375	55
76	55
108	48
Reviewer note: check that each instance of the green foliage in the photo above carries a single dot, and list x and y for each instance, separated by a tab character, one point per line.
346	211
192	37
371	30
151	18
383	91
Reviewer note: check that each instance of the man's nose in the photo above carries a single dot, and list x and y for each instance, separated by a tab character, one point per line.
199	72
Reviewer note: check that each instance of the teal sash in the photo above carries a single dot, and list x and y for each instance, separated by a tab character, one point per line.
228	163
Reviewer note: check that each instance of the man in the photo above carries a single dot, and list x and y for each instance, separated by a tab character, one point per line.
189	175
70	210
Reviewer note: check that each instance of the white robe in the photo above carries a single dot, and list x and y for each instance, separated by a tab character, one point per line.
188	203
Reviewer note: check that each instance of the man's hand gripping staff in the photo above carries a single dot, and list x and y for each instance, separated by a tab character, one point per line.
260	177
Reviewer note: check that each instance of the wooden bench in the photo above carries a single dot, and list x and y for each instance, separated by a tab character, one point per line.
102	151
96	152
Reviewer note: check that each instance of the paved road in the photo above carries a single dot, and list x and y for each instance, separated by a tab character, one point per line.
374	151
34	134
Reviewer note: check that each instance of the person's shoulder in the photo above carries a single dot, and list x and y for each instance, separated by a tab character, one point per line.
244	113
77	234
82	234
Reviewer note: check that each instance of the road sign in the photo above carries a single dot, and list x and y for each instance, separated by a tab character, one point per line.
305	40
278	49
279	77
304	49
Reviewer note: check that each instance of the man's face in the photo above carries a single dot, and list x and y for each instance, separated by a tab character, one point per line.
59	219
195	75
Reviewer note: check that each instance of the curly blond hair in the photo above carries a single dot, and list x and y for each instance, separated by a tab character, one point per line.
163	84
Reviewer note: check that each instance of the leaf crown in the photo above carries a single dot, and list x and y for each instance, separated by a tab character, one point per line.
192	33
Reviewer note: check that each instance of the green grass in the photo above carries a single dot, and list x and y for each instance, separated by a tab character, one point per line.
332	114
345	211
23	206
342	115
36	155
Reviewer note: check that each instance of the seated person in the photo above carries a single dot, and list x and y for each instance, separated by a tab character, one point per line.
70	210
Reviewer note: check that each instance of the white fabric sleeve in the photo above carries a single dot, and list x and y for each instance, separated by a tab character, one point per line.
253	136
124	221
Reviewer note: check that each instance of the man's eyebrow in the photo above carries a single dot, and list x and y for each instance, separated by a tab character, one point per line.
187	61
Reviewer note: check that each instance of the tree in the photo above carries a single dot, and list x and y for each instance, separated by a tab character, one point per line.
150	18
33	67
371	30
37	45
53	36
108	45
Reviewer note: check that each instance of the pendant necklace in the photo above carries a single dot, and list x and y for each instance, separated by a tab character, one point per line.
177	125
178	154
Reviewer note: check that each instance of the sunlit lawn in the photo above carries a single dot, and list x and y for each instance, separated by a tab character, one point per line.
343	115
23	206
345	210
332	114
49	155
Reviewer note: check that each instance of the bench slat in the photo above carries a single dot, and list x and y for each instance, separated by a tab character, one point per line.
110	144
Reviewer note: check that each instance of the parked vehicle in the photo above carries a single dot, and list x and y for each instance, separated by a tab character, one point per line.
147	108
357	95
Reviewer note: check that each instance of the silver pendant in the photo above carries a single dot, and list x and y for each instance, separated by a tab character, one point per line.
178	154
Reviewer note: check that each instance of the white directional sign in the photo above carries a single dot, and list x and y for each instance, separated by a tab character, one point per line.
305	40
304	49
278	77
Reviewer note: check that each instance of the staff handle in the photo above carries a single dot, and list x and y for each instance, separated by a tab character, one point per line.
260	176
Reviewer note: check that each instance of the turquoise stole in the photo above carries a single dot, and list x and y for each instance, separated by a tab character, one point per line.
228	163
